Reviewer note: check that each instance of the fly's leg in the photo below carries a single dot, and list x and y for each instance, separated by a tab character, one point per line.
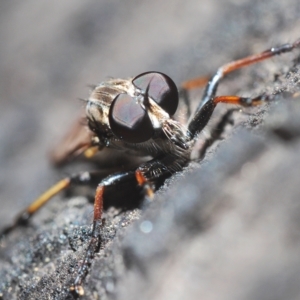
143	181
24	216
125	183
209	99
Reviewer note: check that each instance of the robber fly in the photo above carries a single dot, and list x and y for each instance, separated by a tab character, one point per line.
136	115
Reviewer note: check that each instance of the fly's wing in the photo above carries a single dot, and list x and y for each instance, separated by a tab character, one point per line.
77	140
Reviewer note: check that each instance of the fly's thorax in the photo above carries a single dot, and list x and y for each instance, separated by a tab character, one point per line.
99	102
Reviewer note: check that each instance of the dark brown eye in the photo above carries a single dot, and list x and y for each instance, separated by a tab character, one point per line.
162	89
129	121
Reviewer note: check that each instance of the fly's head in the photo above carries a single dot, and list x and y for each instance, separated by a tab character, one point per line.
137	114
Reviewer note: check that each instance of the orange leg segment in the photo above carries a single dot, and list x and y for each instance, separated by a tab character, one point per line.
240	63
243	101
94	244
25	215
142	181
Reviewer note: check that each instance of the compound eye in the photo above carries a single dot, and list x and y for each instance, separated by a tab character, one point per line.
162	89
129	121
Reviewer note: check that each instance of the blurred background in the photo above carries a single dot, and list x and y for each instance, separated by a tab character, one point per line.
50	52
